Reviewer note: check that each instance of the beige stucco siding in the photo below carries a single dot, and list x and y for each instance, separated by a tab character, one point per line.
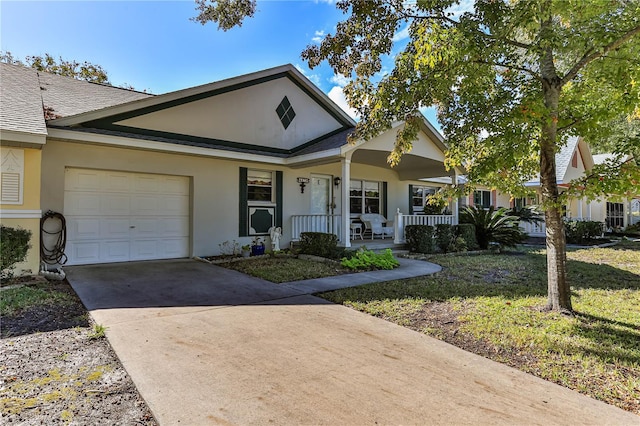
215	186
26	215
246	115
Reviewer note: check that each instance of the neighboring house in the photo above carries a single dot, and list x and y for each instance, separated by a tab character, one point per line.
149	177
572	162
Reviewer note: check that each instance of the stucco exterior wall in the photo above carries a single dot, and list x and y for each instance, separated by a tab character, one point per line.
26	215
215	186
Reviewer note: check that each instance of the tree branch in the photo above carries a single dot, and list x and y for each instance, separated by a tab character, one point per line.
509	66
453	22
589	57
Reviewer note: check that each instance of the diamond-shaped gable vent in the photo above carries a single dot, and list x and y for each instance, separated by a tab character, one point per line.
285	112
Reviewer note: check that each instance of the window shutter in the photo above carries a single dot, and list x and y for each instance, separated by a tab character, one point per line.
410	199
243	230
384	199
279	197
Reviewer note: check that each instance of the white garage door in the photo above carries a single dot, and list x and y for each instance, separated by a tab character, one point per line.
118	216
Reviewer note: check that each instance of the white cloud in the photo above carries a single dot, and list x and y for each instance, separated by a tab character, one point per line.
461	7
319	35
339	79
315	78
336	94
401	35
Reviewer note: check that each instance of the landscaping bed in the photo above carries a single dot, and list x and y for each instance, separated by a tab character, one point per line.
56	367
490	304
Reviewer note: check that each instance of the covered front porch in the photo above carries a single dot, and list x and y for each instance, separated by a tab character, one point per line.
357	236
365	183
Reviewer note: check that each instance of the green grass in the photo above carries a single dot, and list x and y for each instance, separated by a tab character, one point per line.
497	300
285	269
14	300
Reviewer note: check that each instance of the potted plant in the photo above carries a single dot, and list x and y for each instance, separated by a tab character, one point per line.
246	250
257	247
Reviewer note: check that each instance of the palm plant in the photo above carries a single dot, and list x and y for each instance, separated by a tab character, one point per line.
493	226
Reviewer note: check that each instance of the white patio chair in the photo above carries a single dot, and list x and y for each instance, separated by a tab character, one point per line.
377	224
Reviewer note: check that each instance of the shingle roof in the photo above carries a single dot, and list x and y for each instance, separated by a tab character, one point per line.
601	158
331	142
27	96
64	96
563	158
20	100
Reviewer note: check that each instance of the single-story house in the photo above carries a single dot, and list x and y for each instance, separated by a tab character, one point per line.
140	176
572	162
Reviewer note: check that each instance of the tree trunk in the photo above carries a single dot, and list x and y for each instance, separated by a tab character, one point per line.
559	292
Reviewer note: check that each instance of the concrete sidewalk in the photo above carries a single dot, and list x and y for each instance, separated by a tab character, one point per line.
205	345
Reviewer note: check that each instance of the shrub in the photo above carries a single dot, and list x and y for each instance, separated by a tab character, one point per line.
14	245
419	238
434	204
458	244
467	231
527	214
319	244
493	226
368	260
444	237
582	231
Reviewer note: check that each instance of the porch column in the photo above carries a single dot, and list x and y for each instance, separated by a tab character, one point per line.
345	233
589	210
454	182
580	208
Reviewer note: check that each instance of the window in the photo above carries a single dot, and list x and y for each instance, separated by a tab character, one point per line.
482	199
285	112
615	215
419	195
522	202
364	197
260	201
259	186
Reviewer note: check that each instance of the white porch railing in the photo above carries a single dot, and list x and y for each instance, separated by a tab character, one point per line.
534	229
540	230
403	220
329	223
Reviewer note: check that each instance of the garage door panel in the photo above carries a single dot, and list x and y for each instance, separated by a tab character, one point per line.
175	185
144	250
119	216
82	180
148	184
82	203
174	247
83	228
175	205
146	205
116	182
174	227
80	252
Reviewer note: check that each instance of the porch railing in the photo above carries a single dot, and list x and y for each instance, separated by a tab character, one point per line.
329	223
403	220
540	230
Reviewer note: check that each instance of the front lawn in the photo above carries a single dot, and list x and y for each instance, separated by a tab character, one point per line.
286	269
490	304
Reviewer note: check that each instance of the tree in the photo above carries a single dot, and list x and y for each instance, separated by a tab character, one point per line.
512	80
81	71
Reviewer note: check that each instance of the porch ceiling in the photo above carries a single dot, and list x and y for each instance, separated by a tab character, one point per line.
411	167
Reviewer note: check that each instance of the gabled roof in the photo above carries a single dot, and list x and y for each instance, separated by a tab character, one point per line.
205	90
20	100
166	118
29	97
574	145
64	96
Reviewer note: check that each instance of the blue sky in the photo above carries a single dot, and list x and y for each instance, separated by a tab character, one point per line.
153	45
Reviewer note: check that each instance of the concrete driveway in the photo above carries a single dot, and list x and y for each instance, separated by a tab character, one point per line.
206	345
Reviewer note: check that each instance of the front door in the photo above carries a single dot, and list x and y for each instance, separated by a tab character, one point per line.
321	201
